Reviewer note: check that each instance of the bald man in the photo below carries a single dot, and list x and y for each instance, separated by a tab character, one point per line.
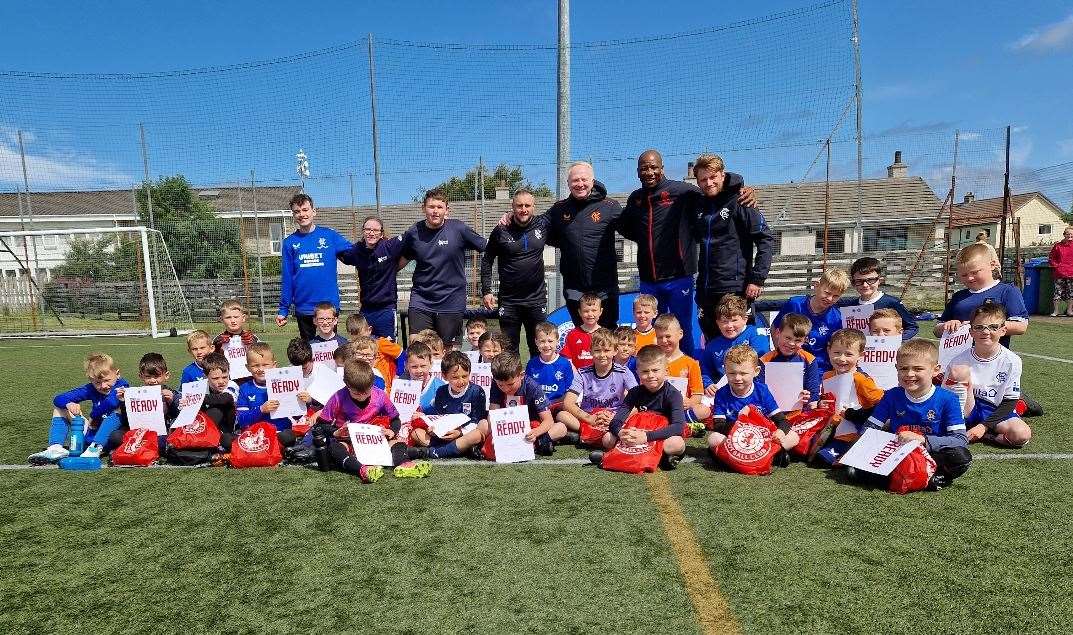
661	225
583	227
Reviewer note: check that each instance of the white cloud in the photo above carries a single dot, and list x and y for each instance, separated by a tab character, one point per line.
54	169
1050	38
1065	146
969	136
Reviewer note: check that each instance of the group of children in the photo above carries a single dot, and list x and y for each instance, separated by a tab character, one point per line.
586	390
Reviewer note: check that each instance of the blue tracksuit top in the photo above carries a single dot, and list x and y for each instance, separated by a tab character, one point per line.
823	325
192	372
102	404
376	271
439	282
248	407
309	269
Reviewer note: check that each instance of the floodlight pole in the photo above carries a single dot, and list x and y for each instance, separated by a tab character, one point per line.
860	144
145	170
563	119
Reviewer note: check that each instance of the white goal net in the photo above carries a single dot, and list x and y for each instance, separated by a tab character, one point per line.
93	281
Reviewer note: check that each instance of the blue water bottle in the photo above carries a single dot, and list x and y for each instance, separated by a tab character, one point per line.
76	439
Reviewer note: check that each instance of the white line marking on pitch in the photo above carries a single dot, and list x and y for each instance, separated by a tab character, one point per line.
986	456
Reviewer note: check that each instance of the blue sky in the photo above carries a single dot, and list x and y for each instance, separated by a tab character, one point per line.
928	68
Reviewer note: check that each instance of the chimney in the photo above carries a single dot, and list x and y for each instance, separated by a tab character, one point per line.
897	170
692	180
970	197
502	191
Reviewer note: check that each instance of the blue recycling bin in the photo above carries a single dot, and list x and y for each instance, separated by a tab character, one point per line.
1033	269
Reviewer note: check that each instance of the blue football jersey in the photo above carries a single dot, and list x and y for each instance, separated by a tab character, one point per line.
729	405
554	377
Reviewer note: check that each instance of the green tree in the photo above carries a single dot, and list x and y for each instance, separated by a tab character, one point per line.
104	259
201	244
463	188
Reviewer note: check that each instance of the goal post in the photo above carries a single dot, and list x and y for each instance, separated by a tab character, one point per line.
90	281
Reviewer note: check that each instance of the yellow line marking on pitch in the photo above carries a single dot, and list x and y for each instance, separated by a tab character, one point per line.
711	607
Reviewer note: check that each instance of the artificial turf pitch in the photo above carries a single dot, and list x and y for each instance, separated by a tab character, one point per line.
532	548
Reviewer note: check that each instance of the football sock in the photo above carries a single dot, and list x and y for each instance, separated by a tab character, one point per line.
57	431
448	451
398	453
108	425
350	465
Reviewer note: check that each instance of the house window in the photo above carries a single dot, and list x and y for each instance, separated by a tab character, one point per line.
967	234
275	238
50	242
836	241
1044	230
888	238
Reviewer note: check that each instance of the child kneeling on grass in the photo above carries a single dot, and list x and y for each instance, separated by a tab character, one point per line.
511	387
917	410
742	366
653	394
458	396
100	391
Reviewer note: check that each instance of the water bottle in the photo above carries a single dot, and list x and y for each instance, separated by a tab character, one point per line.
76	439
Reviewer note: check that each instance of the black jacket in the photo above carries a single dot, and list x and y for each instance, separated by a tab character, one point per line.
520	251
660	222
735	243
584	232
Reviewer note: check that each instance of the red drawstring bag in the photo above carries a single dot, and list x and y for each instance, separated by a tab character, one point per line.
256	446
913	473
305	422
200	434
807	423
488	449
636	459
139	448
749	447
591	434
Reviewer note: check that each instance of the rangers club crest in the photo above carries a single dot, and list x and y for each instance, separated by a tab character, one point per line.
322	243
595	216
747	443
254	443
724	213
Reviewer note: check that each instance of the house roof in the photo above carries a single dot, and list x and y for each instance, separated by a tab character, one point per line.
989	210
112	202
905	200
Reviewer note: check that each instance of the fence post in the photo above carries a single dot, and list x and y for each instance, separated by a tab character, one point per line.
257	242
32	267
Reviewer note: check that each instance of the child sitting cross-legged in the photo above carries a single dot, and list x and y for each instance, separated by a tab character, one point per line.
917	410
596	392
100	392
989	376
359	401
653	394
457	396
152	371
742	389
511	387
253	403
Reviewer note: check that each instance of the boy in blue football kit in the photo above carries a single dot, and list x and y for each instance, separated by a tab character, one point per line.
100	391
198	344
732	315
820	309
309	273
742	390
458	396
552	371
975	269
918	410
252	405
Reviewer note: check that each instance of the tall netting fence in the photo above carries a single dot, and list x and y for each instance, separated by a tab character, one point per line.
209	157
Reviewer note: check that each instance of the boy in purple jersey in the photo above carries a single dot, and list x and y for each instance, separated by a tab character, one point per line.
917	410
820	309
511	387
742	389
596	392
975	270
549	369
359	402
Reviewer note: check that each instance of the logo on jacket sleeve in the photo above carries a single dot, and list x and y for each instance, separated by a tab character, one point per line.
595	216
724	213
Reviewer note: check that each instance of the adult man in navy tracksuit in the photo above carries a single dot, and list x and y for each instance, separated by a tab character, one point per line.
583	227
662	227
736	245
523	293
377	260
309	274
438	245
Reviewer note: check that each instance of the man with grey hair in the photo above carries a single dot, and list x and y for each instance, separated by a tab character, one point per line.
583	227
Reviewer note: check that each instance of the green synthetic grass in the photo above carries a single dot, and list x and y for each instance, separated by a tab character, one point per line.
519	549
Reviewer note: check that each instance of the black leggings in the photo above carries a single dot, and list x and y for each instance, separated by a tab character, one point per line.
344	461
